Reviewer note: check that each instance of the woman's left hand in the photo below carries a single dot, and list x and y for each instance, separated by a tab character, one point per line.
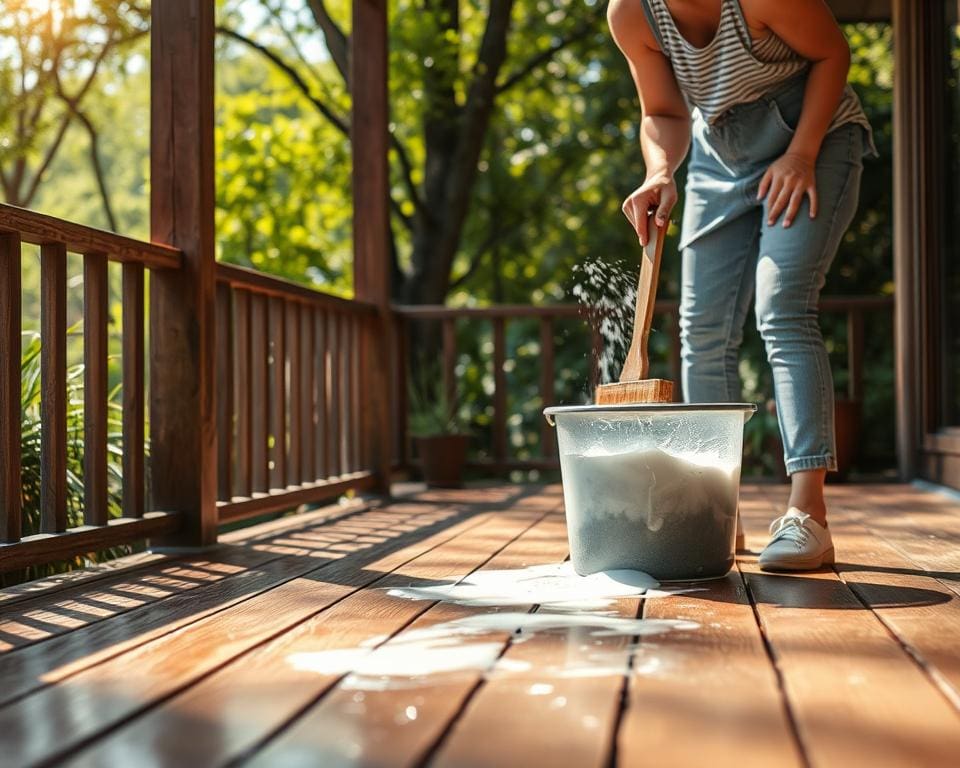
785	184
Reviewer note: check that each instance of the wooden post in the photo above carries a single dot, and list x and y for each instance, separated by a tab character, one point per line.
183	444
371	266
917	99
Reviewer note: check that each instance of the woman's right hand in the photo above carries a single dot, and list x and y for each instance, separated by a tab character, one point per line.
658	191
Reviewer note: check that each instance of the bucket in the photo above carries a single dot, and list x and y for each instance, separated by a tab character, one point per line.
652	487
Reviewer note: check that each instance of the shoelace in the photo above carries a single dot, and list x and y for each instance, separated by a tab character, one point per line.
791	528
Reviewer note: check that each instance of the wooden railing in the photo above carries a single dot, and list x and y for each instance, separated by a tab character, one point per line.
289	395
498	317
292	403
55	540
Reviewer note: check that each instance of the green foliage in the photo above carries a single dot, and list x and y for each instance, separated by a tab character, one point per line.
432	412
56	58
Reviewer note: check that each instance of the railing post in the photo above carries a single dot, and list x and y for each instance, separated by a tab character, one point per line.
371	253
183	437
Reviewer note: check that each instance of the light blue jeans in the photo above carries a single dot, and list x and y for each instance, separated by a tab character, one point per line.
730	255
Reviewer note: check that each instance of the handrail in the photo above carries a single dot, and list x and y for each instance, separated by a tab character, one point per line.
41	229
442	311
270	285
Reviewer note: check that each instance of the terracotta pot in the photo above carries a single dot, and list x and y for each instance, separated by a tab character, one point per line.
443	458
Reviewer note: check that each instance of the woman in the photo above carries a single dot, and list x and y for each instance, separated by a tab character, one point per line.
758	88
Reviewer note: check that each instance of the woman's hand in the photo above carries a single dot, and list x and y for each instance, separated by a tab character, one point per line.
658	191
787	181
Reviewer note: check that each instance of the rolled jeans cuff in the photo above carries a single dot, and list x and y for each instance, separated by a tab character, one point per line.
825	461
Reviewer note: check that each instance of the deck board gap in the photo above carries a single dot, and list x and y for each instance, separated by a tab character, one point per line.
789	714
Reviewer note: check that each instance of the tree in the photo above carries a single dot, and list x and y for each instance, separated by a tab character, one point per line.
50	56
458	63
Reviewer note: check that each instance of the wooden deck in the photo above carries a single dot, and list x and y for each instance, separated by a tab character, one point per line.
243	655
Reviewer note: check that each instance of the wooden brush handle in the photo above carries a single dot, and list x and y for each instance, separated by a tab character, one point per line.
637	364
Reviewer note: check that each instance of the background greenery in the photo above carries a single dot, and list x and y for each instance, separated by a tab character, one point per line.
553	156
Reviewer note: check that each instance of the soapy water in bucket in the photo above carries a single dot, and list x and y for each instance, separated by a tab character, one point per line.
672	515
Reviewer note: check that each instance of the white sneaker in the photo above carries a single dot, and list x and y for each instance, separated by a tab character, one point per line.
799	543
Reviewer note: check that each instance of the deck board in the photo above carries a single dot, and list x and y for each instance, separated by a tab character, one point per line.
260	693
357	724
836	657
267	650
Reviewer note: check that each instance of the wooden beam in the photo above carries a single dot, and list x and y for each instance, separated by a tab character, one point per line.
371	266
917	99
183	445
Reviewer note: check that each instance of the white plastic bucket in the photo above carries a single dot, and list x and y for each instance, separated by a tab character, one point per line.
652	487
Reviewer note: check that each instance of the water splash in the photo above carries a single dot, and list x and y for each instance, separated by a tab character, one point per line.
607	291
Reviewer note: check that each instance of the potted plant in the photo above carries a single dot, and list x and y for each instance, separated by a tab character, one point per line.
438	433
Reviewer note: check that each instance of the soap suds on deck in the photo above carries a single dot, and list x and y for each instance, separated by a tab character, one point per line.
569	604
556	586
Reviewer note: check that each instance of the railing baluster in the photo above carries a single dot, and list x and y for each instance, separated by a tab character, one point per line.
241	383
345	394
133	391
10	525
259	386
334	466
224	392
547	378
306	395
53	386
357	433
321	452
403	398
449	359
855	354
294	458
499	393
95	308
278	395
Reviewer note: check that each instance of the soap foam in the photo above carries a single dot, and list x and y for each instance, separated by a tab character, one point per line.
556	585
425	656
672	516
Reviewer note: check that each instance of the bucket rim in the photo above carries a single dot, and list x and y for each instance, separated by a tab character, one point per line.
747	409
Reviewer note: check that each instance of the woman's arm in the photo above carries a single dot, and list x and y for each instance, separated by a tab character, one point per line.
665	120
809	28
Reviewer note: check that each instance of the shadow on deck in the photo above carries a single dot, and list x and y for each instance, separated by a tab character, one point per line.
321	639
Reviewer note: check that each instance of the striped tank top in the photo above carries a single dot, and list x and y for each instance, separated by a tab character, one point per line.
733	68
